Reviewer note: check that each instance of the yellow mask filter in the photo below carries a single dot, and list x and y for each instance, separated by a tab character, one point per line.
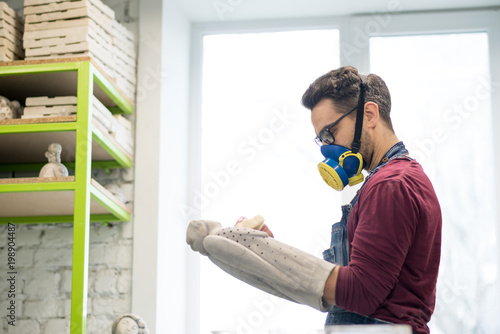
341	167
334	176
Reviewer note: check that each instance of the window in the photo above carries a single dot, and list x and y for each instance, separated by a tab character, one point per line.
259	157
441	92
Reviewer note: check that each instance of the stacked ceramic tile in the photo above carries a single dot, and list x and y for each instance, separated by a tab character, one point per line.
11	34
124	57
117	126
68	28
123	133
43	106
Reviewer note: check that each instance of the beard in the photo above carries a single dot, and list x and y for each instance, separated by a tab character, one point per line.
367	148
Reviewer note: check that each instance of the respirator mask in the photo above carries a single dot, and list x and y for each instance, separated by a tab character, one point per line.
342	166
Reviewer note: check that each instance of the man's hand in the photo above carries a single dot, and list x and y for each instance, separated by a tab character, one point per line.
263	262
266	229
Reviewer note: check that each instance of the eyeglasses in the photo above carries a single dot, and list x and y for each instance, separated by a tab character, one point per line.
325	136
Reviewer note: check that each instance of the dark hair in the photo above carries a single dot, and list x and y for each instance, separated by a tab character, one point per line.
342	86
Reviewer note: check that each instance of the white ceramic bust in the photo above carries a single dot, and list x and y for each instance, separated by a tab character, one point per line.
54	168
129	324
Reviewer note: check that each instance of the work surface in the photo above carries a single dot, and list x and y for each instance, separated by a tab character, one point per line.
350	329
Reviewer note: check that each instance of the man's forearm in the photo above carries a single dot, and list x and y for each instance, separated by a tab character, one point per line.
330	286
261	261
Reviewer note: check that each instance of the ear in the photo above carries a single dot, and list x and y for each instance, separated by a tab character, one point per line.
372	115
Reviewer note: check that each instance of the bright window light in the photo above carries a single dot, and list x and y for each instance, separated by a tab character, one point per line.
259	157
440	87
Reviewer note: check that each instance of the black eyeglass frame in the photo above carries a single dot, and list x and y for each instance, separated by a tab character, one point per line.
325	136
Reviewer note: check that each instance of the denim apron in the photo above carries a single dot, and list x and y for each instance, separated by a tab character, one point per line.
338	252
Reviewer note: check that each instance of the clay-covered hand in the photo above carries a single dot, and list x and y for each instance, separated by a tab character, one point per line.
198	230
263	262
257	223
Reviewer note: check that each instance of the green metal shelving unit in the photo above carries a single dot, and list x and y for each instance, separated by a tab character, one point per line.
83	190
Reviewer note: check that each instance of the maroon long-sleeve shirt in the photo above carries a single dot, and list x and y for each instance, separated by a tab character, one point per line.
394	234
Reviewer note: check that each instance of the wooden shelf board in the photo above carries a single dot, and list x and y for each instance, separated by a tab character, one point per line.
48	203
30	180
43	61
108	194
21	121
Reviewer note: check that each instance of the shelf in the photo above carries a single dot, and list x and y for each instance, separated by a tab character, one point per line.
77	199
25	141
58	77
30	200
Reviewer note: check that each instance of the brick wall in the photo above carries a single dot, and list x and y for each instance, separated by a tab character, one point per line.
44	267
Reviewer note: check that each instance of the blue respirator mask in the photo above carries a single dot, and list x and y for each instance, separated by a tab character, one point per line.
342	166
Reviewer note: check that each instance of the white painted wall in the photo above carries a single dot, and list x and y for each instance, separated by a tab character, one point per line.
161	163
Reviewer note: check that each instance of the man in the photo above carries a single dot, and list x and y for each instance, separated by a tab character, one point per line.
384	257
388	241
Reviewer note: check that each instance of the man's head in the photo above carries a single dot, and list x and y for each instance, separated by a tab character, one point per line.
333	100
342	87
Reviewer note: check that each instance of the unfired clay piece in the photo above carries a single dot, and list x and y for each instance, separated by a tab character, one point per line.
129	324
8	109
54	168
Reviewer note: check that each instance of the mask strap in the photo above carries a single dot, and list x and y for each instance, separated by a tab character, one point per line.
356	144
